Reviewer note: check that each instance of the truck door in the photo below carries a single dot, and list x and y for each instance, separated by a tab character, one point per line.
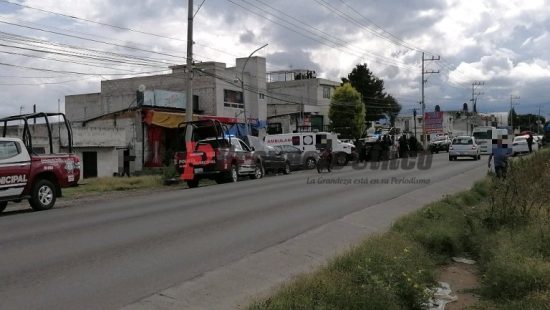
15	164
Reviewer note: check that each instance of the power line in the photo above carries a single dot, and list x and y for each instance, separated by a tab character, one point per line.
332	43
75	72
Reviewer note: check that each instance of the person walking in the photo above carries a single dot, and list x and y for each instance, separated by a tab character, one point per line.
500	156
325	160
530	142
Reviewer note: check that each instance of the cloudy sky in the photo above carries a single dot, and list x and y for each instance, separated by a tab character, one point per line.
53	48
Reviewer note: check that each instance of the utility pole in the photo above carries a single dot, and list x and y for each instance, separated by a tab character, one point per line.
424	142
414	119
475	95
512	98
189	61
539	121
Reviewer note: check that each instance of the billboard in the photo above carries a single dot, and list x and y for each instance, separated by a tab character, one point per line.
164	99
433	122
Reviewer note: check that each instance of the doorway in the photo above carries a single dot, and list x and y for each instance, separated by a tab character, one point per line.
89	163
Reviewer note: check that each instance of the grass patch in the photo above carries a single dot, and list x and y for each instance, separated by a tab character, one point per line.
109	184
505	224
385	272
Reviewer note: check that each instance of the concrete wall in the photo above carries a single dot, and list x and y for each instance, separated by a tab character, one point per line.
107	160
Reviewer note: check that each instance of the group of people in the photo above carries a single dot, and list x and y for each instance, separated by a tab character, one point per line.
387	147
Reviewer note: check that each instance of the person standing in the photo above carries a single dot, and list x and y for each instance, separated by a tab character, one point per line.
500	156
530	142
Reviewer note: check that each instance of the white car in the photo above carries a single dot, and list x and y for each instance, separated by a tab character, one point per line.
464	146
519	145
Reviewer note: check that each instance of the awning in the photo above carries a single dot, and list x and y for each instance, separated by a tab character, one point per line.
165	119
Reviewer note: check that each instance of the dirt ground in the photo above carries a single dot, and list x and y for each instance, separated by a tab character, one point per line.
460	277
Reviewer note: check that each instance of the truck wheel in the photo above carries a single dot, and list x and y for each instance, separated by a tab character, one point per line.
341	159
234	173
258	172
219	179
310	163
43	195
193	183
3	205
286	169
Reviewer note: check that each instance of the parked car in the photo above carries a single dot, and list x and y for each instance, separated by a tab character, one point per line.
440	145
273	160
297	158
464	146
214	155
519	145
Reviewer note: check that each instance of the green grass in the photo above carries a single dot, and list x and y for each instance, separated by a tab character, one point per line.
505	224
110	184
385	272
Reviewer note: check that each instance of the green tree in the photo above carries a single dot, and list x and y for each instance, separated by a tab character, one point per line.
376	100
347	112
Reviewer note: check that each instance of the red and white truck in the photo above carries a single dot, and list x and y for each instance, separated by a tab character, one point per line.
25	174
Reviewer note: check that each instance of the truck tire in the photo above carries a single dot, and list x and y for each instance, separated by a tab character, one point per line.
310	163
233	173
341	159
3	205
193	183
43	195
220	179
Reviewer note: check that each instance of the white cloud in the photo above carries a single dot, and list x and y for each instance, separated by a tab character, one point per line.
504	43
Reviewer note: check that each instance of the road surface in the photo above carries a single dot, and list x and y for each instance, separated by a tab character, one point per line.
110	254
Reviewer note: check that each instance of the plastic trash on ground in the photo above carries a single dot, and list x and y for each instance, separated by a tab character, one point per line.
442	296
464	260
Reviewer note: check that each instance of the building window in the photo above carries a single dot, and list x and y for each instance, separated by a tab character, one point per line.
326	92
233	99
261	95
274	128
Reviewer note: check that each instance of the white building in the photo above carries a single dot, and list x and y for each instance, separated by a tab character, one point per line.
147	120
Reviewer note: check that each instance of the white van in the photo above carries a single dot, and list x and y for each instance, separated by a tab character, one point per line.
315	141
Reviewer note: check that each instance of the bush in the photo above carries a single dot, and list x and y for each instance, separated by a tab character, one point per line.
523	195
385	272
442	228
516	262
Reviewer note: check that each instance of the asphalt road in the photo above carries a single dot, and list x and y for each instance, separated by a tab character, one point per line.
107	255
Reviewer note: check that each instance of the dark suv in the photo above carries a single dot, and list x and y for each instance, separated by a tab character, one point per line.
297	158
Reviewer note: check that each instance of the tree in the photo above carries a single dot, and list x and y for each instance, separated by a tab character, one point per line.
347	112
378	103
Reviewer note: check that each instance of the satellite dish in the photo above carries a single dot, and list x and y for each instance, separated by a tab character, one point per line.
141	88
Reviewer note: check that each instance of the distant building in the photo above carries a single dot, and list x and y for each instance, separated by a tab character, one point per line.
298	101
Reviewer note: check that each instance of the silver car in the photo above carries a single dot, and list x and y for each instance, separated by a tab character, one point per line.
297	158
464	146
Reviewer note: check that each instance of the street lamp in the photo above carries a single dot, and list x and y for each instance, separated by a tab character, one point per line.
242	86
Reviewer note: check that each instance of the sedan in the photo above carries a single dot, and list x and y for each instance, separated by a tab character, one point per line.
520	145
464	146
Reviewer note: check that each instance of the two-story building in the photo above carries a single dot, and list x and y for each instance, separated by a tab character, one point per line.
149	108
298	101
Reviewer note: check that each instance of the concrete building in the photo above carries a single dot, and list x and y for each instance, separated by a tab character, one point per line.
455	123
298	101
91	145
145	111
